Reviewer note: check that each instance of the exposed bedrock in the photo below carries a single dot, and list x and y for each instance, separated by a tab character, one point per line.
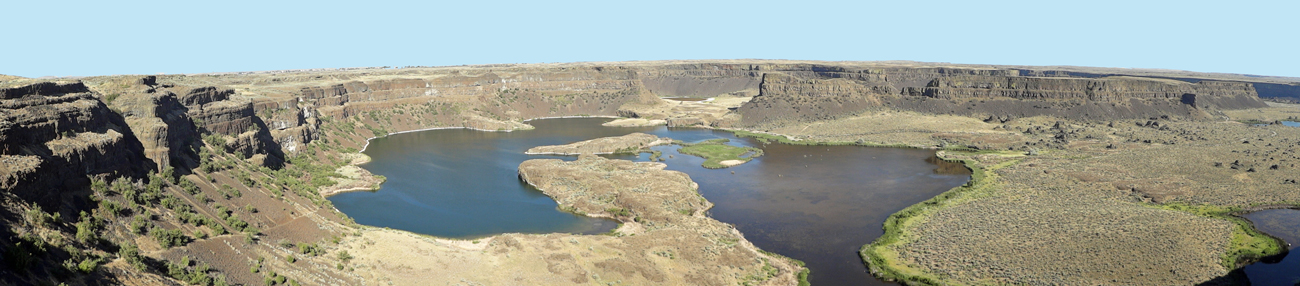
55	135
1279	92
168	135
788	99
521	95
784	98
170	120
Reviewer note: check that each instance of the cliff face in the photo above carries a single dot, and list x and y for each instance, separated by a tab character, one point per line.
169	121
993	94
1279	92
785	98
55	136
1229	95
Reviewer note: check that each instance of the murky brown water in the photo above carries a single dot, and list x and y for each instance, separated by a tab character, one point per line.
818	204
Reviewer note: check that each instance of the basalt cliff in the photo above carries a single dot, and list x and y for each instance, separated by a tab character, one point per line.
216	179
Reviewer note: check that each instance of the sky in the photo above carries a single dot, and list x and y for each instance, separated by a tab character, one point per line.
76	38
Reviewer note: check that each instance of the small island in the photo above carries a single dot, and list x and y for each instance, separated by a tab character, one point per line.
717	154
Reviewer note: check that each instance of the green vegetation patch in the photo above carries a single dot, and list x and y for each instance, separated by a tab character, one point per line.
715	151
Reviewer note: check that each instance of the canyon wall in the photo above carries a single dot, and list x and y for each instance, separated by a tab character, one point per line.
55	136
819	94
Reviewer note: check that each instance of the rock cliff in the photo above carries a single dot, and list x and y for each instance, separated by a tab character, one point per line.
1002	95
56	136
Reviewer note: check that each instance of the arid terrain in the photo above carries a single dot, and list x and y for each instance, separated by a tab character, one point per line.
1082	175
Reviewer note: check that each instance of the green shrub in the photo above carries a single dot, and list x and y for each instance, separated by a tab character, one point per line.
169	237
111	207
189	187
169	174
138	225
86	232
131	254
311	249
88	265
236	223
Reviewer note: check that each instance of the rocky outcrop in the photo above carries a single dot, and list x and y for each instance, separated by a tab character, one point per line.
681	86
171	120
784	98
57	135
204	95
227	117
160	119
607	145
1279	92
685	122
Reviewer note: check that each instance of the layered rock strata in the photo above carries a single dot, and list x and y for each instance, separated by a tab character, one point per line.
56	136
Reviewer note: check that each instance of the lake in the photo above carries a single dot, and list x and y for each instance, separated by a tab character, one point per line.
818	204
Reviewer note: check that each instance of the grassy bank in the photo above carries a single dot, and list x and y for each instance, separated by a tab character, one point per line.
802	275
882	261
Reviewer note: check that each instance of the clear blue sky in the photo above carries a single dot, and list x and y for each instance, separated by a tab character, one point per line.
42	38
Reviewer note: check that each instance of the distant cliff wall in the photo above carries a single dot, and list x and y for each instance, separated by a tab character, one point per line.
1279	92
992	94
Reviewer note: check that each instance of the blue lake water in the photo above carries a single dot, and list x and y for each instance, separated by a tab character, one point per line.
818	204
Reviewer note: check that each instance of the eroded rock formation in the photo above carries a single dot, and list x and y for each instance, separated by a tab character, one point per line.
56	136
